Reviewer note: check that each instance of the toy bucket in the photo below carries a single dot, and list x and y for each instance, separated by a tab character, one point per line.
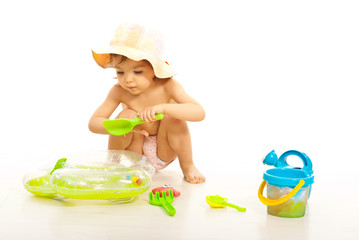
288	188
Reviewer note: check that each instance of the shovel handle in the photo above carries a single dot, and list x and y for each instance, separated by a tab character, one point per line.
137	121
169	208
235	206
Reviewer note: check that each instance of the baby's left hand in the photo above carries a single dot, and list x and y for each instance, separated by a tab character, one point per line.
148	115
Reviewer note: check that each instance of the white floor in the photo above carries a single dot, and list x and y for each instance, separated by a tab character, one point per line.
270	74
331	214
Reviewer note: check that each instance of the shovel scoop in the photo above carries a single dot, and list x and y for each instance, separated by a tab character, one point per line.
221	202
121	126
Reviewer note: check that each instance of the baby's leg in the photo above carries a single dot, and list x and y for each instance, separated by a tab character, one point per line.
130	141
174	140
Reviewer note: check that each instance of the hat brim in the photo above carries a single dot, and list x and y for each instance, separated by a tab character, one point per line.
160	67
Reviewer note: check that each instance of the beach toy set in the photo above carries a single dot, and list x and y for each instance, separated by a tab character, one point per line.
121	175
288	188
113	175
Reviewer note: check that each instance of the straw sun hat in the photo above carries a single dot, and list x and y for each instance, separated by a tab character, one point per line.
137	43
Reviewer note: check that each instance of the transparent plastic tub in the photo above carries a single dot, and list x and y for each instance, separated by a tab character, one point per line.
113	175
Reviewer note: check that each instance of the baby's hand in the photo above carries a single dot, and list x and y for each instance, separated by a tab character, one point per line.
148	115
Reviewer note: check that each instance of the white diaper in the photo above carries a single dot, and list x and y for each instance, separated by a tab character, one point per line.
150	151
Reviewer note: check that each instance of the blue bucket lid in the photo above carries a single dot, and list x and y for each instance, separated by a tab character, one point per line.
284	175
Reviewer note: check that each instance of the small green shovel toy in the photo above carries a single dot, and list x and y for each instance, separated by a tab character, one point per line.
220	202
121	126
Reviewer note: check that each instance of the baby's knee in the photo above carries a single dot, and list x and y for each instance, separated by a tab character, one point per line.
127	113
175	124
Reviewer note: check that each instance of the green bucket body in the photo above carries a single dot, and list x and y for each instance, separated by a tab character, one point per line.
294	207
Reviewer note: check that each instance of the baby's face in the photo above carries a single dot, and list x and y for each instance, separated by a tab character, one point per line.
134	76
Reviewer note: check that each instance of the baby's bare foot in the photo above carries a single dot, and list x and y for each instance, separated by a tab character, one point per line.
192	175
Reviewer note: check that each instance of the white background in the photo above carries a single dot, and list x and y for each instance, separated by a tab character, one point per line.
270	74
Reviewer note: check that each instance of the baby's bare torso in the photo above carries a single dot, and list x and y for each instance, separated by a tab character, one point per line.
153	96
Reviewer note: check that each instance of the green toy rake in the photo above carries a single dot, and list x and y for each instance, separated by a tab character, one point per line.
164	201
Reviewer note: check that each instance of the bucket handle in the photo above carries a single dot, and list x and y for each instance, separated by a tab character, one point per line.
275	202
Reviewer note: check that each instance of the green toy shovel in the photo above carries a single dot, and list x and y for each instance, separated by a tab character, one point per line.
220	202
122	126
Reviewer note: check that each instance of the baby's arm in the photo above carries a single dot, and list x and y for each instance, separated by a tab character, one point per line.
186	108
104	111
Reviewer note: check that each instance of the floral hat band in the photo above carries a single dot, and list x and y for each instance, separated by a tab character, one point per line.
137	43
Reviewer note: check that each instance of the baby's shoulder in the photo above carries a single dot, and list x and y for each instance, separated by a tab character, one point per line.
116	92
116	88
170	83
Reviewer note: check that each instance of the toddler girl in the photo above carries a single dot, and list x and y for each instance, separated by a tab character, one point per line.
145	87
